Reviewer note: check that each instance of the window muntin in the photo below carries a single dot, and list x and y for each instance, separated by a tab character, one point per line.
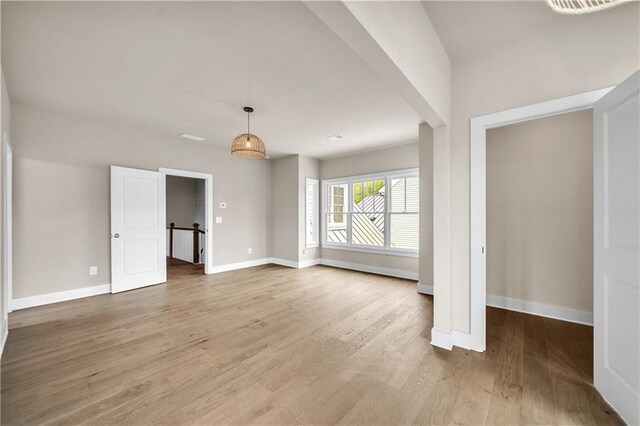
379	212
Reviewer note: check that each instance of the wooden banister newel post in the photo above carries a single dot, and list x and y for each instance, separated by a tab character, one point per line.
172	225
196	243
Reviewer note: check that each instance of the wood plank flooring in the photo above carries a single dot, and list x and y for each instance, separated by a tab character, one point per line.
273	345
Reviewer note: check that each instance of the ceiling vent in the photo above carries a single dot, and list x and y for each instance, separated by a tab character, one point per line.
192	137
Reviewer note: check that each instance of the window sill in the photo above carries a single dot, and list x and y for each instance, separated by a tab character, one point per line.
312	246
372	250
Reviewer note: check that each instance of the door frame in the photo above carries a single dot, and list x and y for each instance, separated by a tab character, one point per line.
208	209
7	221
478	193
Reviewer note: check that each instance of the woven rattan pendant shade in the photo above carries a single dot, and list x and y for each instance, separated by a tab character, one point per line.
579	7
247	145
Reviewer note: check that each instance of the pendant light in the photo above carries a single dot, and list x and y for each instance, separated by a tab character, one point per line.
579	7
247	145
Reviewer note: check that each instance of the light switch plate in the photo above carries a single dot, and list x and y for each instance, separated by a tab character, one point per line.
218	219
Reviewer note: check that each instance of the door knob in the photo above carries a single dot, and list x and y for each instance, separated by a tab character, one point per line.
116	235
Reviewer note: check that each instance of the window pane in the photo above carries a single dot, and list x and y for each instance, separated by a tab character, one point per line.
368	196
397	195
413	194
404	230
367	229
337	228
336	198
357	195
379	190
405	195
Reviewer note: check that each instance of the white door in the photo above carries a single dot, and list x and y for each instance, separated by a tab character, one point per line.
616	307
138	229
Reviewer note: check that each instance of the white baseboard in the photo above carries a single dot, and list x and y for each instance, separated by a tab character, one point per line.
541	309
5	334
60	296
264	261
283	262
307	263
293	264
399	273
240	265
424	289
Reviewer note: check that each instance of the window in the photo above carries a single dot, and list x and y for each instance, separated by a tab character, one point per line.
312	232
373	212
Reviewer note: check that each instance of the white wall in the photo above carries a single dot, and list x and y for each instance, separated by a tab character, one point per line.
553	64
404	31
382	160
540	211
61	196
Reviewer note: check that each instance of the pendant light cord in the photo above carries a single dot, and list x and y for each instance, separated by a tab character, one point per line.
248	126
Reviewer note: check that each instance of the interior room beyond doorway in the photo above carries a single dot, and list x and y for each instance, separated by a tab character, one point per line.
540	216
186	242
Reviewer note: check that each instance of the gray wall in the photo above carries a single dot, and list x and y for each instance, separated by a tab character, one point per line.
181	201
61	196
540	211
373	161
200	201
382	160
285	208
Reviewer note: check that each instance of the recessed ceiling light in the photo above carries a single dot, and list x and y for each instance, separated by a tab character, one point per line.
336	137
192	137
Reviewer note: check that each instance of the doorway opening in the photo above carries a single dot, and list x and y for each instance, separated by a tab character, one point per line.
478	223
539	224
616	212
189	221
185	226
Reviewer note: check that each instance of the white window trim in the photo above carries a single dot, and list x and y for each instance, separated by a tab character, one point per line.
349	180
316	213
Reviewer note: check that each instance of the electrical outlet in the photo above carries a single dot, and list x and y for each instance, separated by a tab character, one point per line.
250	251
218	219
93	270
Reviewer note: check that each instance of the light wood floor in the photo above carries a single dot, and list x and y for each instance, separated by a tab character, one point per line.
273	345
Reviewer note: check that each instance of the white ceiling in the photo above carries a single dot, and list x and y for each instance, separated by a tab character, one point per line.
468	28
190	67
